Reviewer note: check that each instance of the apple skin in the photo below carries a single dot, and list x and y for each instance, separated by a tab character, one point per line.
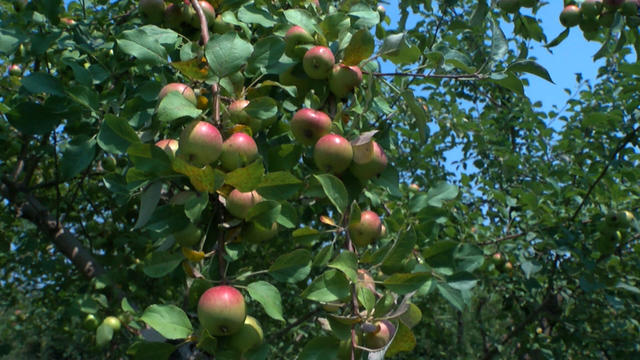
366	280
222	310
113	322
343	79
248	337
570	16
238	203
153	10
90	322
170	146
255	233
309	125
318	62
173	17
183	89
367	230
239	115
371	168
591	8
510	6
237	151
220	26
209	14
200	143
295	36
15	70
332	153
380	338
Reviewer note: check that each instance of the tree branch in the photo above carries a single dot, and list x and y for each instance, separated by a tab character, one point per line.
204	28
432	76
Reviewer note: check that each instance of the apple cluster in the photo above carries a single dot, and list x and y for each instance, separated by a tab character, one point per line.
592	14
175	16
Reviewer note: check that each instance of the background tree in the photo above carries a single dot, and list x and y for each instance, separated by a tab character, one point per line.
156	151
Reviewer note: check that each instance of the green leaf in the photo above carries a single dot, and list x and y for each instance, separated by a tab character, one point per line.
169	320
406	283
468	257
323	256
411	317
320	348
301	18
253	15
402	248
279	185
452	296
332	285
116	135
125	306
334	25
8	43
175	106
77	156
418	113
347	262
247	178
149	158
366	297
396	49
141	350
560	38
499	45
404	340
266	53
104	334
360	48
530	67
227	53
148	203
37	83
364	17
263	108
335	191
144	49
292	267
440	193
459	60
268	296
265	213
161	263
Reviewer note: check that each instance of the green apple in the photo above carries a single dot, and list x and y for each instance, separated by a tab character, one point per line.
255	233
113	322
591	8
570	16
248	337
372	167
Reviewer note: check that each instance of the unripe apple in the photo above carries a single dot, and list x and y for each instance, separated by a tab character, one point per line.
183	89
294	37
238	203
570	16
109	163
332	153
510	6
113	322
170	146
200	143
309	125
381	337
248	337
153	10
173	17
90	322
606	18
239	115
209	14
381	11
255	233
343	79
222	310
67	21
591	8
589	25
237	151
371	168
365	231
220	26
528	3
508	266
366	280
15	70
629	8
189	236
318	62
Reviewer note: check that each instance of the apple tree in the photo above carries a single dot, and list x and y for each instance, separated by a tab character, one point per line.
273	179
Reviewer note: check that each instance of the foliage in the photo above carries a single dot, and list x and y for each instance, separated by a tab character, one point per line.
519	249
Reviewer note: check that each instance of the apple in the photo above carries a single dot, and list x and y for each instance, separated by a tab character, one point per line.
183	89
619	219
237	151
606	18
332	153
153	10
383	231
112	322
19	5
510	6
365	231
528	3
67	21
309	125
366	280
591	8
318	62
209	14
239	203
90	322
381	11
189	236
381	337
220	26
170	146
508	266
173	17
239	115
344	350
589	25
629	8
255	233
343	79
570	16
294	37
248	337
414	187
222	310
15	70
371	168
109	163
200	143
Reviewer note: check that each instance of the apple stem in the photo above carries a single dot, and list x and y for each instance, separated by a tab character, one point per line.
204	28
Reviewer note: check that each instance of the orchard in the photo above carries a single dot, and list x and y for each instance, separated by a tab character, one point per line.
313	179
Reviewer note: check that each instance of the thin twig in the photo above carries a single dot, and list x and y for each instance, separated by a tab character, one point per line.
294	324
204	28
475	76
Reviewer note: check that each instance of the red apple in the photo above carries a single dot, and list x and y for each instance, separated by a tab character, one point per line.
381	337
332	153
318	62
344	79
237	151
294	37
366	280
170	146
15	70
238	203
183	89
173	16
153	10
367	230
200	143
373	167
209	14
222	310
309	125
